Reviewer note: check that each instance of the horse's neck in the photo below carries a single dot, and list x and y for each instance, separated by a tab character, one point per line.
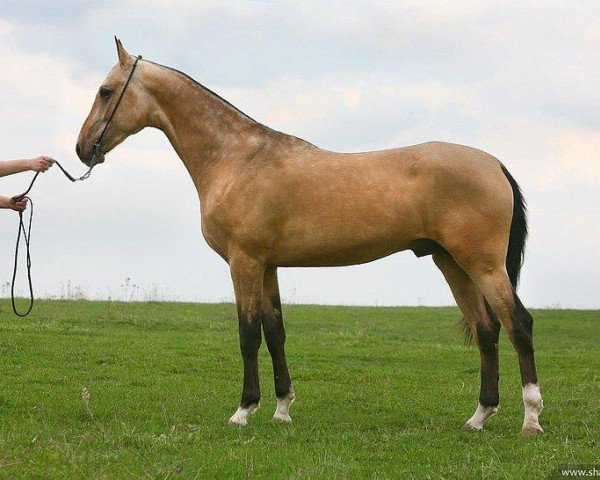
204	129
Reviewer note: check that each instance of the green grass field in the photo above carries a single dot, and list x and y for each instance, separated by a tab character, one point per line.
382	393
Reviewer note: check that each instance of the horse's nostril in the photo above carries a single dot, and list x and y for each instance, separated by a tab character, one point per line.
78	150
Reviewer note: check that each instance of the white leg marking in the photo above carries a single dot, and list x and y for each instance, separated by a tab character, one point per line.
282	413
475	423
240	417
532	400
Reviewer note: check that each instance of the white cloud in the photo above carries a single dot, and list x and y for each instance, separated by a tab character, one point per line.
575	155
43	96
6	28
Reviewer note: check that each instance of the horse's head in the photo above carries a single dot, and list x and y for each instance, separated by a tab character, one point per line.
100	133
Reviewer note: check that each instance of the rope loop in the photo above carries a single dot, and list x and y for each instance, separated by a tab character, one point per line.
26	234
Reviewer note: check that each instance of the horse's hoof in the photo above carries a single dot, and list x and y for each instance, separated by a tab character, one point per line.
240	417
282	413
532	429
235	421
467	427
282	418
475	423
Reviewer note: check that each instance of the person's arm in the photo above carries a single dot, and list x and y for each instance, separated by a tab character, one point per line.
37	164
6	202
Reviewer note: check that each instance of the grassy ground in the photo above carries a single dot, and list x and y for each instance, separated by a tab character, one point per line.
382	393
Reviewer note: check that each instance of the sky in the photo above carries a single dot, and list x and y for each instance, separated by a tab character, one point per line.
516	79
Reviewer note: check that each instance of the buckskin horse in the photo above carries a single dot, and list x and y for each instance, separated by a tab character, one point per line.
272	200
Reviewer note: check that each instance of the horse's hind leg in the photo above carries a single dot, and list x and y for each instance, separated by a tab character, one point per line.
493	281
272	323
485	329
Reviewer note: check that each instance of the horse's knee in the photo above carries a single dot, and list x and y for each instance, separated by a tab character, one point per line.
250	336
274	330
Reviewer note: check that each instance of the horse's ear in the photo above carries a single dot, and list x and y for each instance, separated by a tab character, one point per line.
123	55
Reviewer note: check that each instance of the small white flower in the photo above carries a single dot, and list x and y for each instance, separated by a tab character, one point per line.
85	396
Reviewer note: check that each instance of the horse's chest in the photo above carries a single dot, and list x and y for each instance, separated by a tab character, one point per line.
220	226
215	233
235	226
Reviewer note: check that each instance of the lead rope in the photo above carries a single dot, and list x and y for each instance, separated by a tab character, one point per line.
26	233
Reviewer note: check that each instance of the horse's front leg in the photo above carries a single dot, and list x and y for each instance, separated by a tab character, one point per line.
272	322
247	275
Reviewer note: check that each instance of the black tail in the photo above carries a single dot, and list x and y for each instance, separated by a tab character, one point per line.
518	232
516	246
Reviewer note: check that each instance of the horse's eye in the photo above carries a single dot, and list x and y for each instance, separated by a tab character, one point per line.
105	92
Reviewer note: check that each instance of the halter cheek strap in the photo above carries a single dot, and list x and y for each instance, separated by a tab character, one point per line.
97	143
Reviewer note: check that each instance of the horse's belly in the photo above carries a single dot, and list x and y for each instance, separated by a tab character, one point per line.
338	246
331	257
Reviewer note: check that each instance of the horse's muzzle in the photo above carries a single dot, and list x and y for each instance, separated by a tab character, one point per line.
90	156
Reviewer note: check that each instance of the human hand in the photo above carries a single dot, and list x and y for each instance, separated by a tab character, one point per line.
40	164
17	205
